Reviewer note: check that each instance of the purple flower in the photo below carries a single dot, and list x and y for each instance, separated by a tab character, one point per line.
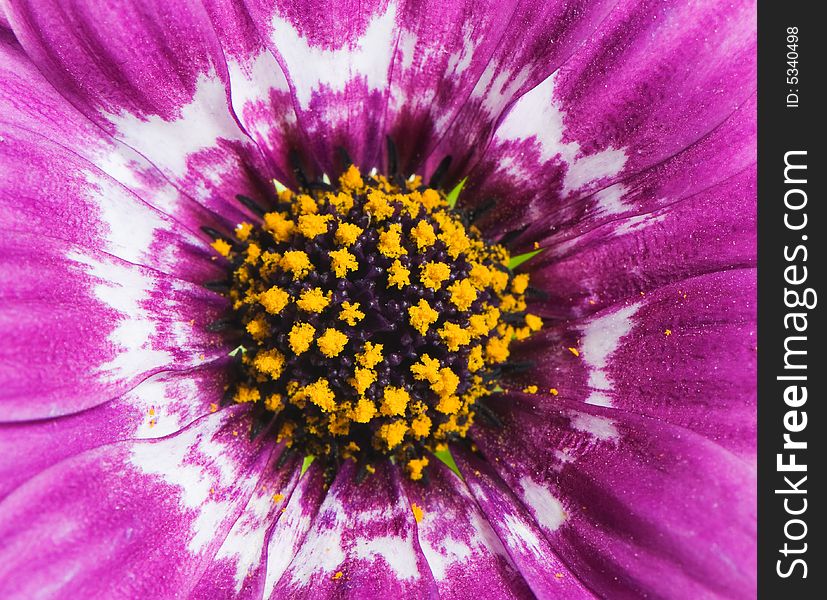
617	457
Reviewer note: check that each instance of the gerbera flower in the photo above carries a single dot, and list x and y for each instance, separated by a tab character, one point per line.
263	339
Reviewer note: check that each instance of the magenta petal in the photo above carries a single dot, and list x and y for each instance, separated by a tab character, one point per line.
136	518
30	104
634	506
684	354
522	538
81	327
711	230
160	405
464	554
367	533
152	75
239	567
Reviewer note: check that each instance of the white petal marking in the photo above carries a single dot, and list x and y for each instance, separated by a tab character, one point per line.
601	338
539	116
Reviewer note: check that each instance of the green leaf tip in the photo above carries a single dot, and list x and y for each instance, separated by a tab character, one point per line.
308	460
516	261
446	457
453	195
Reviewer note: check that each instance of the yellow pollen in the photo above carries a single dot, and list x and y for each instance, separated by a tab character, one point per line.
574	351
274	402
427	368
432	274
520	283
554	391
496	350
423	235
350	313
431	199
421	426
499	280
415	467
351	180
278	498
337	575
530	389
222	247
447	382
448	405
454	238
341	202
667	332
313	300
296	262
347	233
463	294
246	394
270	362
533	322
371	355
321	395
480	276
377	206
253	254
332	342
301	336
363	378
390	242
394	401
422	316
306	204
279	226
454	336
392	433
274	300
342	261
311	226
415	509
475	361
364	411
243	230
257	328
398	275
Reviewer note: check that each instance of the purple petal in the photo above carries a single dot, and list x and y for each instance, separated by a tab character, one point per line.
137	518
239	567
646	86
464	554
81	327
153	75
531	553
29	103
634	506
684	354
709	231
367	533
161	405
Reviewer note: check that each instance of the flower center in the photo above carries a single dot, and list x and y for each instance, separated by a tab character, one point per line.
370	320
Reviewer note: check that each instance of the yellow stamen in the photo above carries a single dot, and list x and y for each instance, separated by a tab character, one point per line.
422	316
313	300
398	275
394	401
347	233
274	300
222	247
342	261
332	342
300	337
432	274
350	313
